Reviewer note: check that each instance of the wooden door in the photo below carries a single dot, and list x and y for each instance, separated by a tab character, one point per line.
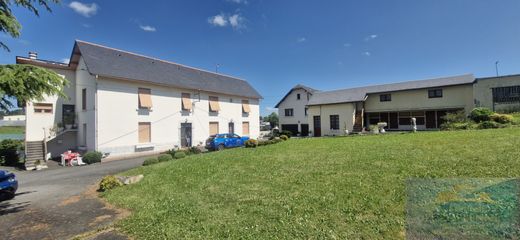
317	126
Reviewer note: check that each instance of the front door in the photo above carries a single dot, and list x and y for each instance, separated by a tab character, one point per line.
317	126
431	119
231	127
393	120
305	130
185	134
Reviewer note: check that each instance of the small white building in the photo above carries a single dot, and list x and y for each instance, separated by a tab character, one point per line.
123	103
293	110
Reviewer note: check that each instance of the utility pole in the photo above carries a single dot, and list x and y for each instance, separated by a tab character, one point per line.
496	67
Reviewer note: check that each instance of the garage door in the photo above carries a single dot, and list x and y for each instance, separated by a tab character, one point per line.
290	127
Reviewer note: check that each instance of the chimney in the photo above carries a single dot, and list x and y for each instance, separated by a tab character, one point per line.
33	55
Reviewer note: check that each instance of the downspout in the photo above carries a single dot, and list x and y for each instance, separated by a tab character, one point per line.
96	147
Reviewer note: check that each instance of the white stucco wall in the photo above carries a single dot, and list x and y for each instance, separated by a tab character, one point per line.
346	112
484	95
88	116
38	125
118	116
298	107
453	97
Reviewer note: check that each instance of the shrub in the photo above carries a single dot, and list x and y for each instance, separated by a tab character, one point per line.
92	157
481	114
502	118
150	161
109	182
488	124
164	158
284	137
455	117
171	152
180	154
286	133
194	150
458	125
9	152
251	143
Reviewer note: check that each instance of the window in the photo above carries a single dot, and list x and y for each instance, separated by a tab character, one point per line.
289	112
84	99
385	97
245	128
145	98
43	107
145	132
298	96
435	93
213	104
306	110
245	106
213	128
186	102
506	94
334	122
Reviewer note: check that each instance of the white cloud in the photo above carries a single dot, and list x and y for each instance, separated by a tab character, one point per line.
147	28
270	110
236	21
347	45
65	60
371	37
367	54
238	1
86	25
218	20
84	9
301	39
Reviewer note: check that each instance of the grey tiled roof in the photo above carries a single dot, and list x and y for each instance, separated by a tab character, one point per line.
298	86
110	62
360	93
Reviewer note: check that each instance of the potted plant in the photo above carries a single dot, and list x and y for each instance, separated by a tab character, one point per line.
373	129
68	121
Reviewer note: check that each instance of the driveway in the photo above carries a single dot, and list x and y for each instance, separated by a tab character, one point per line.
60	203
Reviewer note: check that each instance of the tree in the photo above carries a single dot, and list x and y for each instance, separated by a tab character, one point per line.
25	82
8	22
272	119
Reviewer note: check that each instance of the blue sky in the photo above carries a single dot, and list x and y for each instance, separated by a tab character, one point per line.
278	44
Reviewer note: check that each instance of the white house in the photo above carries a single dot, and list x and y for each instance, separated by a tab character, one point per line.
352	110
123	103
292	110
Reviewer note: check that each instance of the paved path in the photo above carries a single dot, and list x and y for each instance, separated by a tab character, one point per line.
57	203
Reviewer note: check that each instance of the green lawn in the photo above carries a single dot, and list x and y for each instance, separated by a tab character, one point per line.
345	187
12	130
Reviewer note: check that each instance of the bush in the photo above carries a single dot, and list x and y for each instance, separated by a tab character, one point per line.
194	150
286	133
150	161
488	124
467	125
481	114
455	117
251	143
180	154
164	158
502	118
9	152
92	157
171	152
109	182
284	137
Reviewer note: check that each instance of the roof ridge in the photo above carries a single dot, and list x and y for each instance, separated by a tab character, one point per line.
157	59
378	85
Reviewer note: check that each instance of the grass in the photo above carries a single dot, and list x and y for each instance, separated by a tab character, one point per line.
11	130
344	187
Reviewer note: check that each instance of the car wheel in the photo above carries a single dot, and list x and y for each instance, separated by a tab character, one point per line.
6	195
220	147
